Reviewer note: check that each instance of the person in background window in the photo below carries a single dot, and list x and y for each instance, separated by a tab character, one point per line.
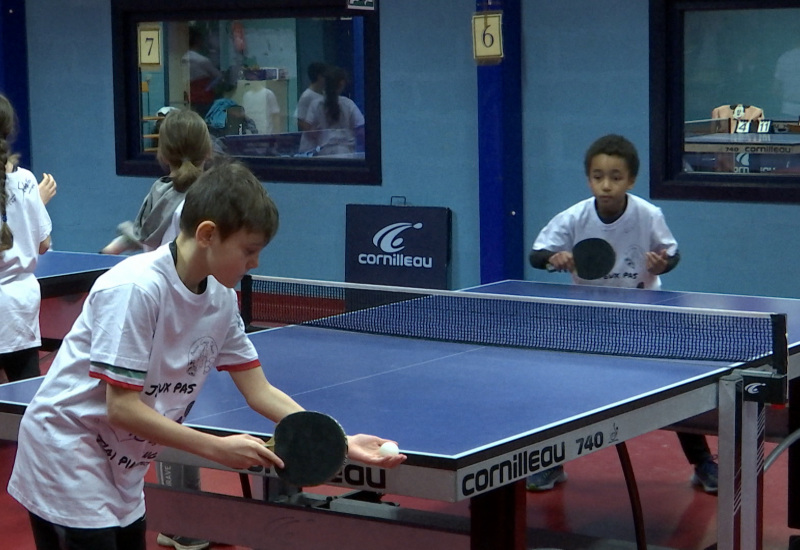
203	75
336	123
316	87
787	83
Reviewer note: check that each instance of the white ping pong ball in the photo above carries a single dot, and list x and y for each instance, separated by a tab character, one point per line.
388	449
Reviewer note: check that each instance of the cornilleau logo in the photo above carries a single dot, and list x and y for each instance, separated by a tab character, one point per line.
390	241
755	388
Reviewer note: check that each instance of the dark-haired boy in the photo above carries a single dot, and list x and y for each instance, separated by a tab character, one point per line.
644	247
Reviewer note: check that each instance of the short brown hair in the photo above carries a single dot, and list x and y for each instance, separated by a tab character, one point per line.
229	195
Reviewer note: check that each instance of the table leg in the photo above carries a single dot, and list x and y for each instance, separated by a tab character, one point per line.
754	416
729	503
499	519
741	468
794	456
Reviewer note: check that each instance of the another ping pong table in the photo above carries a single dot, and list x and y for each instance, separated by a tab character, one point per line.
746	152
65	278
61	273
773	144
474	420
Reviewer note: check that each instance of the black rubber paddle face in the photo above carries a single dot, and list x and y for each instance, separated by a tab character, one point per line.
313	447
594	258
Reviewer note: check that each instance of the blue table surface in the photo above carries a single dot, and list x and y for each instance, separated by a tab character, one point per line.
448	399
58	263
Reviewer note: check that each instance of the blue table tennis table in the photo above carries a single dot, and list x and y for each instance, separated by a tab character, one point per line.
746	152
60	273
773	144
474	421
65	278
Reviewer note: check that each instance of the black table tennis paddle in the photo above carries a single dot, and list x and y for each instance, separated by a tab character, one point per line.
594	258
312	445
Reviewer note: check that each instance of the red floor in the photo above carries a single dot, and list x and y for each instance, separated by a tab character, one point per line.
593	502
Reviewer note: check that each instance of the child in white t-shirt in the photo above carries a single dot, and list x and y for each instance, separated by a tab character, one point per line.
644	247
316	87
184	146
157	320
335	123
25	230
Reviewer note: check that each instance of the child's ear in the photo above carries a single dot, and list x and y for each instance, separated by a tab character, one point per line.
205	233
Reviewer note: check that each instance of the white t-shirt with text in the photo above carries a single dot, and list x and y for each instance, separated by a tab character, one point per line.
641	229
141	329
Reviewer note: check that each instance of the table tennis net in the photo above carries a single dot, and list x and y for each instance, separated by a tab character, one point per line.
501	320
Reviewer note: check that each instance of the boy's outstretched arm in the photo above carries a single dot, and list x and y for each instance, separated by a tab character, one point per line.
126	411
273	403
540	258
552	261
263	397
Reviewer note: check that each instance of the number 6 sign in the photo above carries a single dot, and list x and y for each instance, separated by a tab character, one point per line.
487	37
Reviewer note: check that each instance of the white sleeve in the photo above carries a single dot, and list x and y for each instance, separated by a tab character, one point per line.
662	238
272	103
357	117
557	235
123	319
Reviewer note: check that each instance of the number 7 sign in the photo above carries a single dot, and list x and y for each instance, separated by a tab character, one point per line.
149	47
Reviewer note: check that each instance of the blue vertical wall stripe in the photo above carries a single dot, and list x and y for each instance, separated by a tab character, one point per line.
502	250
14	71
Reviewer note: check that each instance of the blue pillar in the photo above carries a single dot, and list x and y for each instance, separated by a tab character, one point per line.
14	70
502	250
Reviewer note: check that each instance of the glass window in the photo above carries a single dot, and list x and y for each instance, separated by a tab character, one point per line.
293	91
725	100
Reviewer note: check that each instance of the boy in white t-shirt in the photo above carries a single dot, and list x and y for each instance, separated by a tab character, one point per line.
156	321
645	249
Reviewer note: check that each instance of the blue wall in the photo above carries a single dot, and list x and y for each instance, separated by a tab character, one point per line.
585	74
14	69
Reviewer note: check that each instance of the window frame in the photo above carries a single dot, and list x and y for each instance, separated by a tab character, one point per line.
131	160
668	180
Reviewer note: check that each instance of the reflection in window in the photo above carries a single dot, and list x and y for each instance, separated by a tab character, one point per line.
725	100
256	71
742	92
249	83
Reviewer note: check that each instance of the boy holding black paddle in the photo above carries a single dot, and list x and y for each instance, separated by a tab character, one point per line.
130	370
641	249
636	229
